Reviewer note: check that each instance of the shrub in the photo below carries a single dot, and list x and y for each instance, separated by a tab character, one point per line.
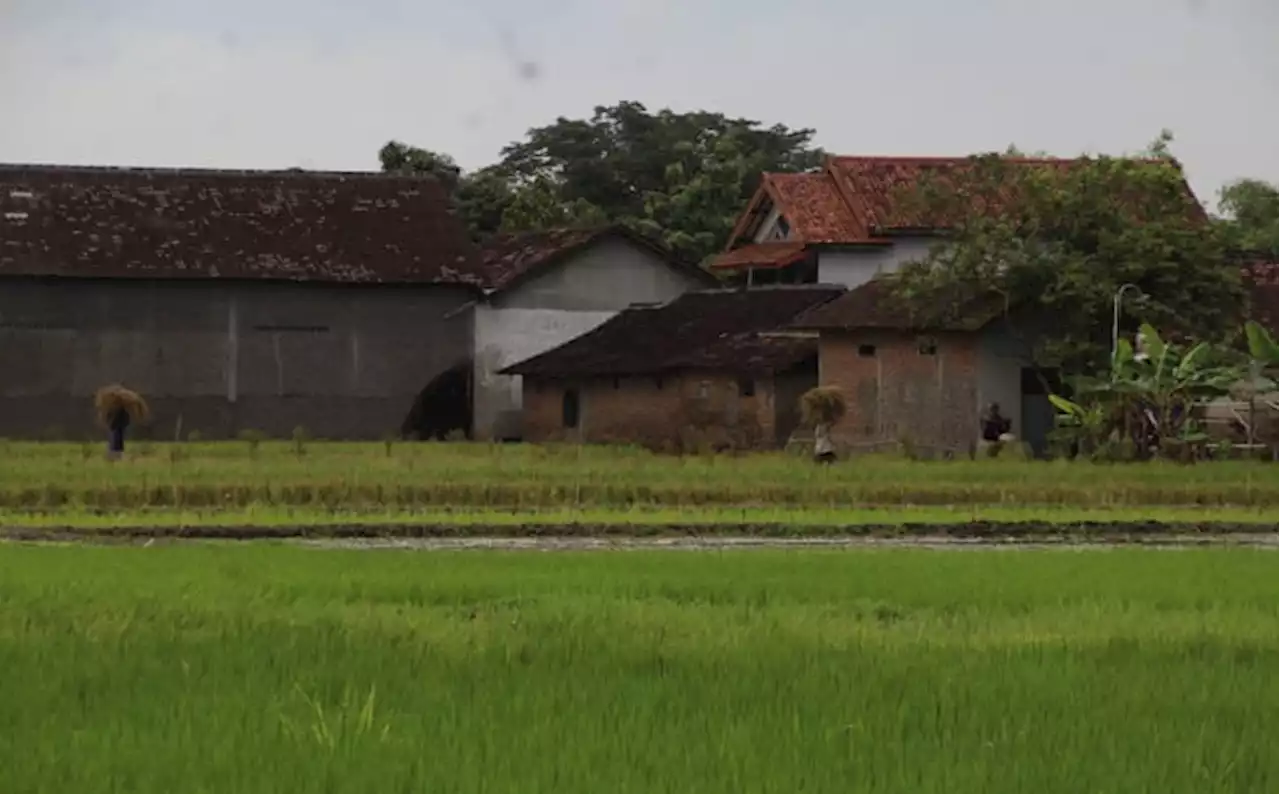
253	438
300	441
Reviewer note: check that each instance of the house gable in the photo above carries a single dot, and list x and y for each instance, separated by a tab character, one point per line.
606	273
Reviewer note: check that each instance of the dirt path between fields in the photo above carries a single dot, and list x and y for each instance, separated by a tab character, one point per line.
970	535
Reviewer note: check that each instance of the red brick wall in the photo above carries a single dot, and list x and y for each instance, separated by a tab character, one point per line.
682	414
899	394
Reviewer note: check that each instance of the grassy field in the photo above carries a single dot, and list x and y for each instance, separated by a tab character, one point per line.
272	668
735	520
412	477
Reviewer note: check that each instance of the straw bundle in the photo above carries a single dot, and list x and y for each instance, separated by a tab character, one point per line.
110	399
822	405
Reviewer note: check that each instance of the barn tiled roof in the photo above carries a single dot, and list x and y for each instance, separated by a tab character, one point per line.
706	329
860	200
100	222
506	258
876	304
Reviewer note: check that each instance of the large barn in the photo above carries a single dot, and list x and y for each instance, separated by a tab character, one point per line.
233	300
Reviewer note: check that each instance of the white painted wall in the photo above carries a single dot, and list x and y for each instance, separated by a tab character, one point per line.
552	308
504	337
854	267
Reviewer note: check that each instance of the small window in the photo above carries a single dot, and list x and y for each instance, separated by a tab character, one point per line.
746	387
569	408
867	351
927	346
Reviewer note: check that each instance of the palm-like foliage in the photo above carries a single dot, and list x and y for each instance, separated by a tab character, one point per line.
1147	399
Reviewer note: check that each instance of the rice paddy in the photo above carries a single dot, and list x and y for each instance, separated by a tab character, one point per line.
418	477
268	668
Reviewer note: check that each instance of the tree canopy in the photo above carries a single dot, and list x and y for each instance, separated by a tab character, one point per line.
1065	239
1251	216
683	177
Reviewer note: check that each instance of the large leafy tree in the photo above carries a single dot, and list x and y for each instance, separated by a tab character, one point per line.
685	176
481	198
1251	211
1063	240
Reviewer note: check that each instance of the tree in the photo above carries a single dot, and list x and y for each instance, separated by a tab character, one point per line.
1064	238
683	175
400	158
1251	211
1146	402
480	198
537	206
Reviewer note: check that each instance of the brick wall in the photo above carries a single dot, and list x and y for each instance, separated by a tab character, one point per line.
896	393
685	412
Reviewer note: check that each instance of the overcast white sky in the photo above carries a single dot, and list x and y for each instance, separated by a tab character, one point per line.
280	83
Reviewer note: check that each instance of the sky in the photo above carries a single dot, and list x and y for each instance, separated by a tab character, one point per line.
322	85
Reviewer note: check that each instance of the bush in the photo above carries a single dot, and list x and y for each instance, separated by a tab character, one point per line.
253	438
822	405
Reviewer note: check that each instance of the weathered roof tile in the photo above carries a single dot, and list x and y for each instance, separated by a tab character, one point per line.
706	330
98	222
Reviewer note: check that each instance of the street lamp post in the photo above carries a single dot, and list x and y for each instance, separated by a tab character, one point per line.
1115	317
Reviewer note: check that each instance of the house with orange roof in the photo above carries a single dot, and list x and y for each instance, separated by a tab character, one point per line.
922	380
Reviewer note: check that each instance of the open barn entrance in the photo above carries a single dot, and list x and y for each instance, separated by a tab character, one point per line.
443	407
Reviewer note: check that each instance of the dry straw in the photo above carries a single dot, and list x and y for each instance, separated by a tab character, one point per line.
822	404
114	397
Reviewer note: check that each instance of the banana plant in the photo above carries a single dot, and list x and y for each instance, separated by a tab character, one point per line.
1263	358
1148	398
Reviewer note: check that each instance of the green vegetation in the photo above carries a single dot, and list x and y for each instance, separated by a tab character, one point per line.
354	476
273	668
739	520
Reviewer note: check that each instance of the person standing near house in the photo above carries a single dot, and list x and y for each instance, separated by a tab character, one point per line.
117	423
824	451
995	430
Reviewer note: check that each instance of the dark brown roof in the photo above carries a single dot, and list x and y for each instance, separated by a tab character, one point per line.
100	222
877	305
507	258
859	200
707	329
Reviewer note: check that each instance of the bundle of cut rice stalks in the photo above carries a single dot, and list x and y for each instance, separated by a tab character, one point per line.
114	397
822	405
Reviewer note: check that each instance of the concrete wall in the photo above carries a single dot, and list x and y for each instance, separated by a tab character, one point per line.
554	307
507	336
676	413
609	275
855	266
219	357
897	393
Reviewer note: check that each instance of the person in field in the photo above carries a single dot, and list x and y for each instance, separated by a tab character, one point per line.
824	450
995	430
117	423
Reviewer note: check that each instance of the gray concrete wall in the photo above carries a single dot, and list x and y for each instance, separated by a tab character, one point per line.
607	276
507	336
552	308
854	267
220	357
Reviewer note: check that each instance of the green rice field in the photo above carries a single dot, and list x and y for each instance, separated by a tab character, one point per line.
273	668
424	476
